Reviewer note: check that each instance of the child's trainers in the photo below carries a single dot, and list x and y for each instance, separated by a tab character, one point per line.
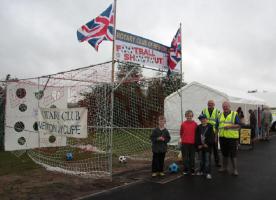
235	172
209	176
185	173
161	174
199	173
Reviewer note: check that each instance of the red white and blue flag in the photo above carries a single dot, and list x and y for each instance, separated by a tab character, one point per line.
99	29
175	51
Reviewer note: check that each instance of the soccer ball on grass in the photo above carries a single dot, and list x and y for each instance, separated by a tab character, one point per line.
122	159
69	156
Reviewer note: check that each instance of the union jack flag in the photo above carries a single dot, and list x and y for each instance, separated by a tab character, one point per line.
99	29
175	51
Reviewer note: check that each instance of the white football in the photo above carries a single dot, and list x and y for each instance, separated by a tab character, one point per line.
122	159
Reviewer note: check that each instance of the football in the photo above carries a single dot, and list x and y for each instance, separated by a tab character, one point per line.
173	168
69	156
122	159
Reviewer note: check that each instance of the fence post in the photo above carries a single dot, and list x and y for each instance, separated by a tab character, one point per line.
2	117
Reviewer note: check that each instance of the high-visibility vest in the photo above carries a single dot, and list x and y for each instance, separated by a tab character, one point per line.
213	118
229	120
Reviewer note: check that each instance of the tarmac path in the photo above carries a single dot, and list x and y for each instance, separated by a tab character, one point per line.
256	181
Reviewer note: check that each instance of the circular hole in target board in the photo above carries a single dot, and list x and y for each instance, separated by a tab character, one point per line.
23	107
39	94
52	139
21	140
20	93
19	126
53	106
35	126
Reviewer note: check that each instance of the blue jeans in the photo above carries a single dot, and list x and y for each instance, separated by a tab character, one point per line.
205	161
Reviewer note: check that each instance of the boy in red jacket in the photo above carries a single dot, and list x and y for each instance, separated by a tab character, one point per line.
187	141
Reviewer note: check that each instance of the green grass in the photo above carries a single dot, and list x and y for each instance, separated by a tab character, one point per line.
125	142
131	141
10	164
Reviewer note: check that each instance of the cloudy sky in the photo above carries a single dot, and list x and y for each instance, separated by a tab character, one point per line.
230	43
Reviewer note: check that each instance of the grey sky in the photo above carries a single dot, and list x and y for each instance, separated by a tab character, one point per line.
223	40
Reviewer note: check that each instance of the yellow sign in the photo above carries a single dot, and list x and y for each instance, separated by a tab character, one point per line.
245	136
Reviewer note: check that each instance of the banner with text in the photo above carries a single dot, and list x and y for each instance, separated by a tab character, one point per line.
70	122
135	49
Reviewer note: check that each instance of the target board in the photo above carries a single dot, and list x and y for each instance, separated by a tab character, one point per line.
21	115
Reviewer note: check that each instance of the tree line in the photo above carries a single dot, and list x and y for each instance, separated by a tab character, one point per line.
138	101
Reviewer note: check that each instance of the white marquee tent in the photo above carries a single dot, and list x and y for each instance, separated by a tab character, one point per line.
269	97
195	97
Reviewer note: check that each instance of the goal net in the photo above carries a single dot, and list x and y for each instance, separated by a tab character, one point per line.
120	116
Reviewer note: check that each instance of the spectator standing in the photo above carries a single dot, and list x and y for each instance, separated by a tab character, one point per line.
187	141
228	125
266	123
253	125
241	115
212	114
159	138
204	141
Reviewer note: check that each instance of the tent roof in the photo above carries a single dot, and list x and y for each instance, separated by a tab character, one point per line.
200	85
237	96
233	96
269	97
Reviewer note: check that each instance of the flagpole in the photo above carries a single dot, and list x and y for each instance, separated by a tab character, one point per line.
112	94
113	44
181	100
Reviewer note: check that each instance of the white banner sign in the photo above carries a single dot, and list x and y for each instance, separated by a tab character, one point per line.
70	122
135	49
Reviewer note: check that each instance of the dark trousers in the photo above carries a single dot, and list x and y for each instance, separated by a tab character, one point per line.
228	147
188	156
205	161
253	128
216	153
158	162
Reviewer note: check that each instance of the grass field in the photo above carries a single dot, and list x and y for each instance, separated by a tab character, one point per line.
126	141
131	142
21	178
10	164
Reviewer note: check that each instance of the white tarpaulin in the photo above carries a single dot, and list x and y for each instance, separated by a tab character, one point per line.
21	115
195	97
269	97
135	49
70	122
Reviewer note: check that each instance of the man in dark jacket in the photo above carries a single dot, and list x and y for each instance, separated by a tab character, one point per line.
253	124
159	138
